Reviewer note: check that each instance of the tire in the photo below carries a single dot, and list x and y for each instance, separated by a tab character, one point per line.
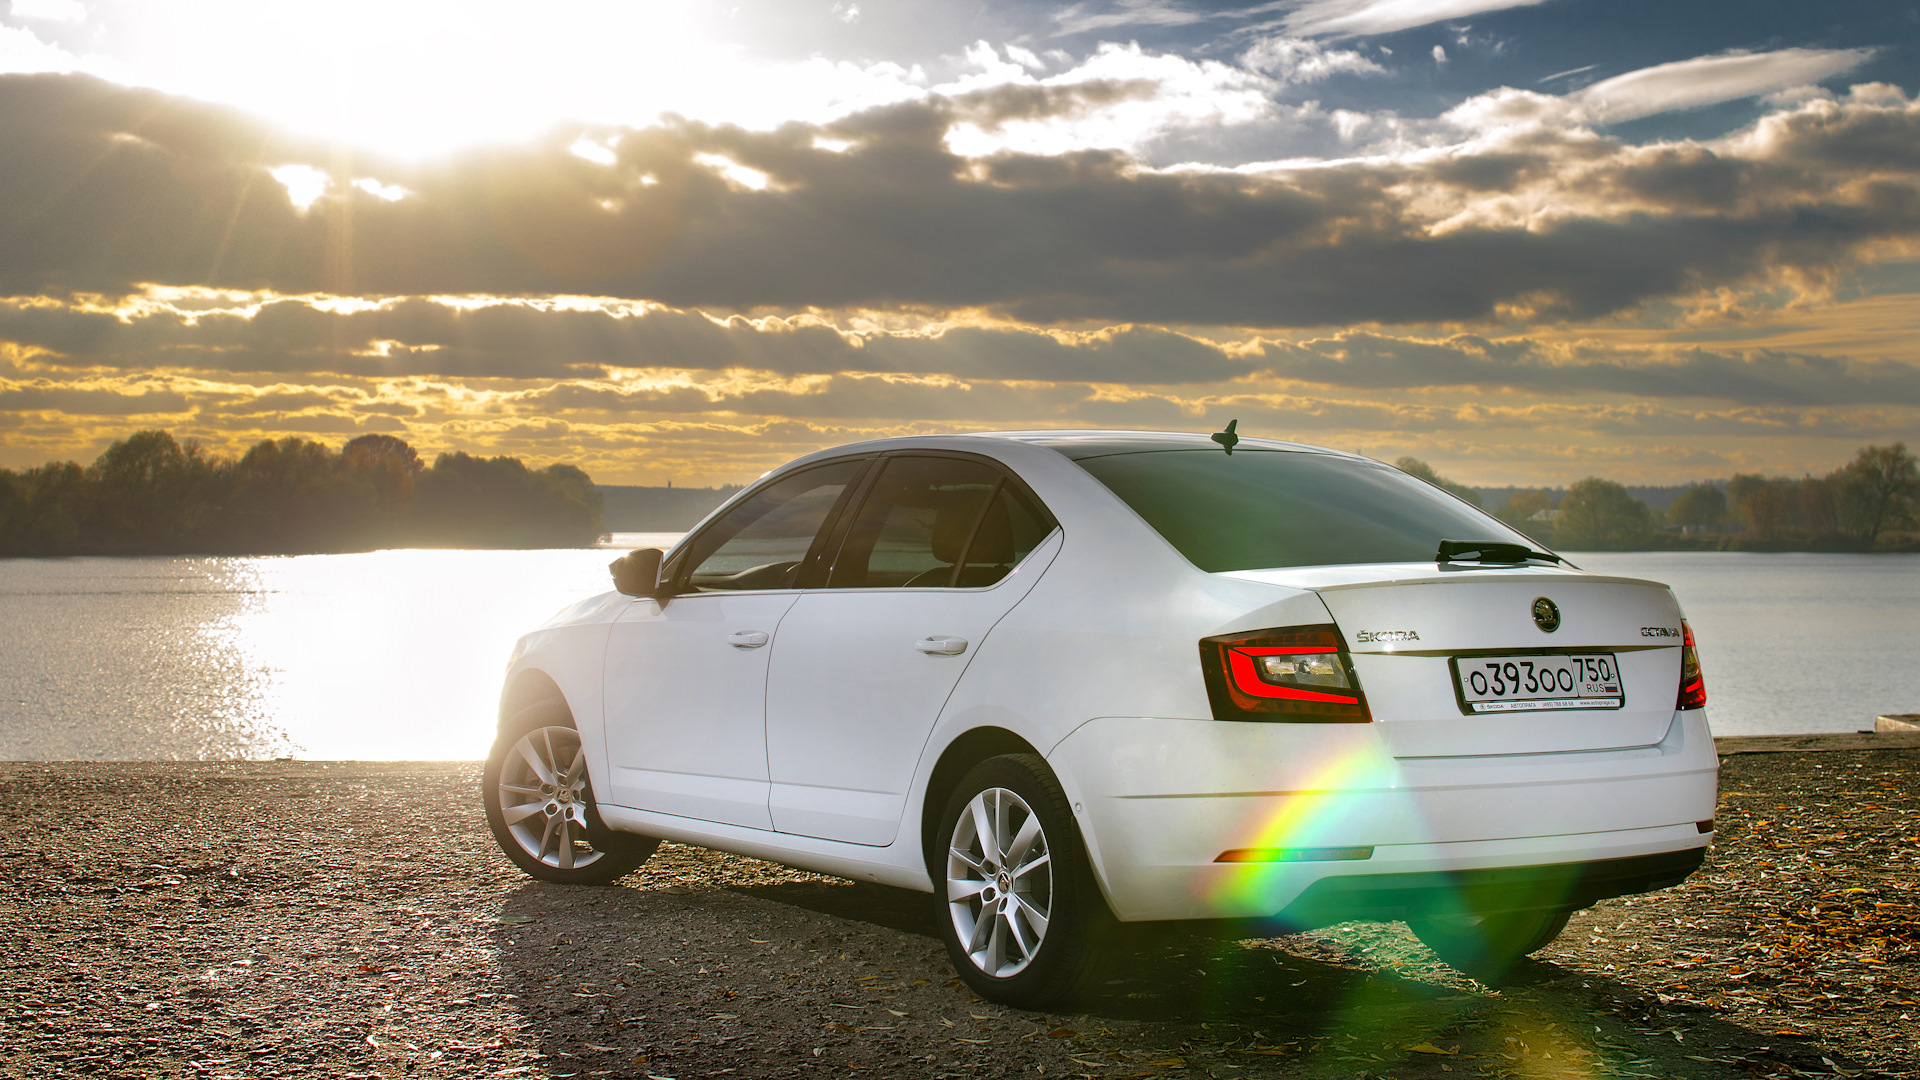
540	804
1486	946
1022	916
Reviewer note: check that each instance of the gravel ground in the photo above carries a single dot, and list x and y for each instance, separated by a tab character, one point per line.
354	920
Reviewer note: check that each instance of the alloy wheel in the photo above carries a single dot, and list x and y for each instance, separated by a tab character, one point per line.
999	882
543	798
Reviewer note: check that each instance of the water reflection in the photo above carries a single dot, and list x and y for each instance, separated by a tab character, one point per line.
1793	642
389	655
398	654
104	658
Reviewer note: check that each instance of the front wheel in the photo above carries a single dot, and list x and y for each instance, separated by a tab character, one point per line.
1485	946
540	805
1022	911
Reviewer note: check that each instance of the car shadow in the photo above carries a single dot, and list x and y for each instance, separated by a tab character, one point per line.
767	979
904	910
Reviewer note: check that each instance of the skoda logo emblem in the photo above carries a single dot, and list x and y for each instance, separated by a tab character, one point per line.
1546	614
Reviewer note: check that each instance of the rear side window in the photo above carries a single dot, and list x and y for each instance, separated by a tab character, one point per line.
935	522
1256	509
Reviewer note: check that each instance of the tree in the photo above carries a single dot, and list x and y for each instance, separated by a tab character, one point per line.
1767	506
1599	515
297	495
41	509
388	462
1520	509
1816	510
1413	466
1877	489
467	501
153	493
1701	504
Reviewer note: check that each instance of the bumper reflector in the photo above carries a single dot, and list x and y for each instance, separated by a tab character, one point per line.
1311	854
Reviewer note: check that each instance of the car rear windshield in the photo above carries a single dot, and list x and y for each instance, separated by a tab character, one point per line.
1259	509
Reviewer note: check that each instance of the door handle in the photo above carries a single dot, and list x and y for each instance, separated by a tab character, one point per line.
747	639
942	646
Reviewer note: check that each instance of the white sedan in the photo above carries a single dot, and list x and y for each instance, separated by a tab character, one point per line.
1068	680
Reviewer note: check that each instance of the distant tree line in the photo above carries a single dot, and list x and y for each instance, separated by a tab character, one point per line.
149	494
1862	506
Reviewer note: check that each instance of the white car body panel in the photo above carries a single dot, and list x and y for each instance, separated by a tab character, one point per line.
851	698
686	709
1175	794
1089	654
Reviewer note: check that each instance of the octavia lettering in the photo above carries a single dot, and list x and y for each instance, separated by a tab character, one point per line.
1659	631
1370	636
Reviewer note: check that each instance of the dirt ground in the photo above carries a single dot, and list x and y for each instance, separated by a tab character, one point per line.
354	920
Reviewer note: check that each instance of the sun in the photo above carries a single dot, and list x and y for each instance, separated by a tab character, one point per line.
416	78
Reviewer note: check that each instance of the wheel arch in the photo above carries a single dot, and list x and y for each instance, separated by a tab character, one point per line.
528	686
971	748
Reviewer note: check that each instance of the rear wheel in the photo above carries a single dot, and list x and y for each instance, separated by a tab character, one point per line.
540	804
1021	910
1485	946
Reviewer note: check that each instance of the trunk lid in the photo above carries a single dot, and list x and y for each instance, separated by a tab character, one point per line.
1405	624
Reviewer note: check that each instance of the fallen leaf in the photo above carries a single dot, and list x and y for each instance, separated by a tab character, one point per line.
1429	1048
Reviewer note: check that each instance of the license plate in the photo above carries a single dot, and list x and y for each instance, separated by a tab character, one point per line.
1493	684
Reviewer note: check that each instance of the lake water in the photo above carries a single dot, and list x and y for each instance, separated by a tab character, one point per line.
398	654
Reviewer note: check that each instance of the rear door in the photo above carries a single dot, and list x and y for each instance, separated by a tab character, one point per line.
941	547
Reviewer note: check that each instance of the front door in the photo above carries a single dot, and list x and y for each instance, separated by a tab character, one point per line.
686	680
937	553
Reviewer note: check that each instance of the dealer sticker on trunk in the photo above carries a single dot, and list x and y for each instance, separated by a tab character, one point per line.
1535	681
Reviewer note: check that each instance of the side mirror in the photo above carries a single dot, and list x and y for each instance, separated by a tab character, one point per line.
637	573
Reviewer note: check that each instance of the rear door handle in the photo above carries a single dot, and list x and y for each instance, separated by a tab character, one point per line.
942	646
747	639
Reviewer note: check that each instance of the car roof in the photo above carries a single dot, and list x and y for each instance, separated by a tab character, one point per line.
1079	445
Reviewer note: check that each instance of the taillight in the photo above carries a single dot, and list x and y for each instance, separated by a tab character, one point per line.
1693	685
1299	674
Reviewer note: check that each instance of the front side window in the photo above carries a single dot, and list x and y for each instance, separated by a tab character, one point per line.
761	543
1256	510
934	522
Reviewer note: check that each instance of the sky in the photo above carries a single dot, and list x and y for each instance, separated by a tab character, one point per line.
1527	241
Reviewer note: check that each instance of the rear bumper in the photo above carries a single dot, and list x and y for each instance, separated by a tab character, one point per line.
1461	892
1159	801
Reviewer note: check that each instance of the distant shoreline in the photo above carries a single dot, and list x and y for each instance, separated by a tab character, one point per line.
606	543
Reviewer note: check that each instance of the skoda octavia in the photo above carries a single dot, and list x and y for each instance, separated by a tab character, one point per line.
1070	680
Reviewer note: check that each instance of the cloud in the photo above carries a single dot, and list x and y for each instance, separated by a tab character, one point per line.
1756	378
1708	80
499	338
1358	17
584	350
66	11
43	396
1293	60
1121	98
133	188
22	52
1088	18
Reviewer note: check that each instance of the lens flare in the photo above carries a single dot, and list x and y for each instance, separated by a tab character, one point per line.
1312	820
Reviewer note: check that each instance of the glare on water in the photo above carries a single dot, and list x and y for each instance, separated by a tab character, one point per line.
388	654
399	654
